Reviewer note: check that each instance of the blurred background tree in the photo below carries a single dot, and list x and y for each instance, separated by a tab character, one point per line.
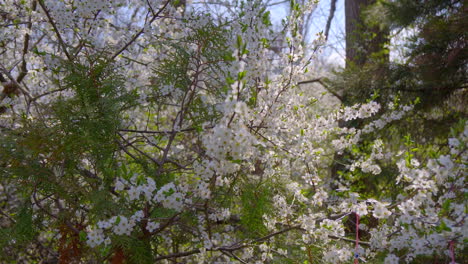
403	52
406	49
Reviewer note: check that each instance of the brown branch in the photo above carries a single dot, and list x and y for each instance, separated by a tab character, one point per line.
54	26
151	8
139	151
122	147
13	81
320	81
330	18
425	90
241	245
232	255
38	204
2	79
157	132
178	255
233	247
49	92
137	35
23	67
82	43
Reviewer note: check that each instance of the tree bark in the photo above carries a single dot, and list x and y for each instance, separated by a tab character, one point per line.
361	40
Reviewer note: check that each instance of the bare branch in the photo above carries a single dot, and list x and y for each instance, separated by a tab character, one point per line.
319	80
165	132
241	245
137	35
23	67
18	86
54	26
139	151
330	18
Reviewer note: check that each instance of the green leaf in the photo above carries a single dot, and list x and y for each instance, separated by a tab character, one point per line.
37	52
239	41
83	236
266	18
443	227
241	75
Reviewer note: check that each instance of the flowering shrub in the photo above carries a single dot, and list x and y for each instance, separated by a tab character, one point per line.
144	132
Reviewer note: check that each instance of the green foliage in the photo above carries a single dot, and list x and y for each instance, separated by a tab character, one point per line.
255	202
431	72
90	119
433	66
24	229
21	233
137	250
205	50
80	127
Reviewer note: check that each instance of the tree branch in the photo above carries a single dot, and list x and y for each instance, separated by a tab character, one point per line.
23	67
319	80
18	86
54	26
240	245
135	37
330	18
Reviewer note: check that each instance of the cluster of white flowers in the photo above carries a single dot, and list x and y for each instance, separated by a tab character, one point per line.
353	136
359	112
231	138
391	259
119	225
239	138
387	118
432	206
220	215
87	8
380	210
361	209
96	237
283	208
170	197
123	226
368	165
134	190
266	252
151	226
337	255
330	228
319	197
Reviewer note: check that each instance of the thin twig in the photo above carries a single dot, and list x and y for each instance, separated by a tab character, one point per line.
135	37
24	68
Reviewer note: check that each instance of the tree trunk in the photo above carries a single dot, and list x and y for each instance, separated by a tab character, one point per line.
362	40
